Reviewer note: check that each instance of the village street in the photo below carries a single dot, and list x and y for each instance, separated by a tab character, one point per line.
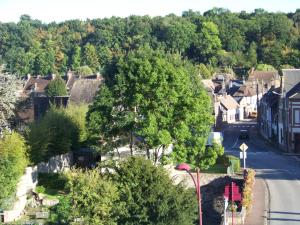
281	173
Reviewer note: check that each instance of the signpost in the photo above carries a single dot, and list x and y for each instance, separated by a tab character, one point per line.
243	154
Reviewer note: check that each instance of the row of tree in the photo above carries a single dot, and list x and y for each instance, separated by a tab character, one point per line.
217	38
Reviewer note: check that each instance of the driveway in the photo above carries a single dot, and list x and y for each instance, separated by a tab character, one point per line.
281	173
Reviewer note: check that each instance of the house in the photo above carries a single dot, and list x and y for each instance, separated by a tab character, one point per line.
247	97
229	108
266	79
290	79
268	112
82	89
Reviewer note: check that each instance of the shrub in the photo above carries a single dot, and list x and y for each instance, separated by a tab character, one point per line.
93	198
13	161
230	160
56	87
56	133
149	196
248	188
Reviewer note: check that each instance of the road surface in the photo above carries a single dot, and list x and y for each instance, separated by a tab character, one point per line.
281	173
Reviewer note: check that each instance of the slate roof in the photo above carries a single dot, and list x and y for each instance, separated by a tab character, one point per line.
294	91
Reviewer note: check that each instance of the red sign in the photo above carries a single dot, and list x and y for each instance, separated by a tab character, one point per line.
236	195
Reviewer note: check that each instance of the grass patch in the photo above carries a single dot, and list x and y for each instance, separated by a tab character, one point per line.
217	168
52	185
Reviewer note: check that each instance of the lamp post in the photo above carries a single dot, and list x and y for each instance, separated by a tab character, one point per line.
187	168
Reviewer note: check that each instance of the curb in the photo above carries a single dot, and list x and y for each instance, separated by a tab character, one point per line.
267	203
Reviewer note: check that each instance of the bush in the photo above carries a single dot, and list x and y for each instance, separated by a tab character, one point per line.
230	160
248	188
13	161
149	196
56	87
56	133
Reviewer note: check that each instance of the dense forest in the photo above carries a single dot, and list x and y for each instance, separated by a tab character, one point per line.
217	38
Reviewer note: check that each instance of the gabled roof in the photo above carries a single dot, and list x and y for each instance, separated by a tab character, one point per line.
266	76
271	97
84	90
245	91
38	83
291	93
229	102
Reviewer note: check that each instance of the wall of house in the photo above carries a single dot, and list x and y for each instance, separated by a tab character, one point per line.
231	113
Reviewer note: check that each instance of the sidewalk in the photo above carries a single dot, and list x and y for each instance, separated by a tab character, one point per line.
257	214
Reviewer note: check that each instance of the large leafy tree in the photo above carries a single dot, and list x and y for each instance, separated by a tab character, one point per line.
148	195
157	97
9	87
90	57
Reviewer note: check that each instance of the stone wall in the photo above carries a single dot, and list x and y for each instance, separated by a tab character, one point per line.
29	181
56	164
26	184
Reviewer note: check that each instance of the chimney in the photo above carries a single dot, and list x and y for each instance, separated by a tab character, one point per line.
53	76
28	76
35	86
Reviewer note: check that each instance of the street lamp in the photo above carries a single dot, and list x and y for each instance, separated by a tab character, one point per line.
187	168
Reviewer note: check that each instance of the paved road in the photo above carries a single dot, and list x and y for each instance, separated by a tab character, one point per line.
281	173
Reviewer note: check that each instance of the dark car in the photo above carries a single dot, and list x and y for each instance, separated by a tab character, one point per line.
244	134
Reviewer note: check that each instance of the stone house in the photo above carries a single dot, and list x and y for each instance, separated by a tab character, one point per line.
229	108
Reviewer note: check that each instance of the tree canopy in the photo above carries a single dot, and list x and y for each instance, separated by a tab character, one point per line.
31	46
158	97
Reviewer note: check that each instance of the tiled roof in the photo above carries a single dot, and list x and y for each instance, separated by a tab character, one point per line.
229	102
84	90
40	83
245	91
266	76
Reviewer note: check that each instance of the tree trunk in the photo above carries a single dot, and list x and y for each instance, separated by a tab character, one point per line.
131	150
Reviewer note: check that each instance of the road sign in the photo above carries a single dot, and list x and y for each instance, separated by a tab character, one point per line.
243	154
243	147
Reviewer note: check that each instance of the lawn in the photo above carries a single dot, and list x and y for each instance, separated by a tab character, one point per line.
52	185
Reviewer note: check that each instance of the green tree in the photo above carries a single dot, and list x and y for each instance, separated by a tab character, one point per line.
76	58
156	97
84	70
207	43
205	73
90	57
13	161
56	133
148	195
265	67
92	198
56	87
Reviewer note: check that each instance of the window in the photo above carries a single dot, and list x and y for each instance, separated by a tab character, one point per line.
297	116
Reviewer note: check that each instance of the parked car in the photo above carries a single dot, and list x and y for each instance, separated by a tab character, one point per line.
244	134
